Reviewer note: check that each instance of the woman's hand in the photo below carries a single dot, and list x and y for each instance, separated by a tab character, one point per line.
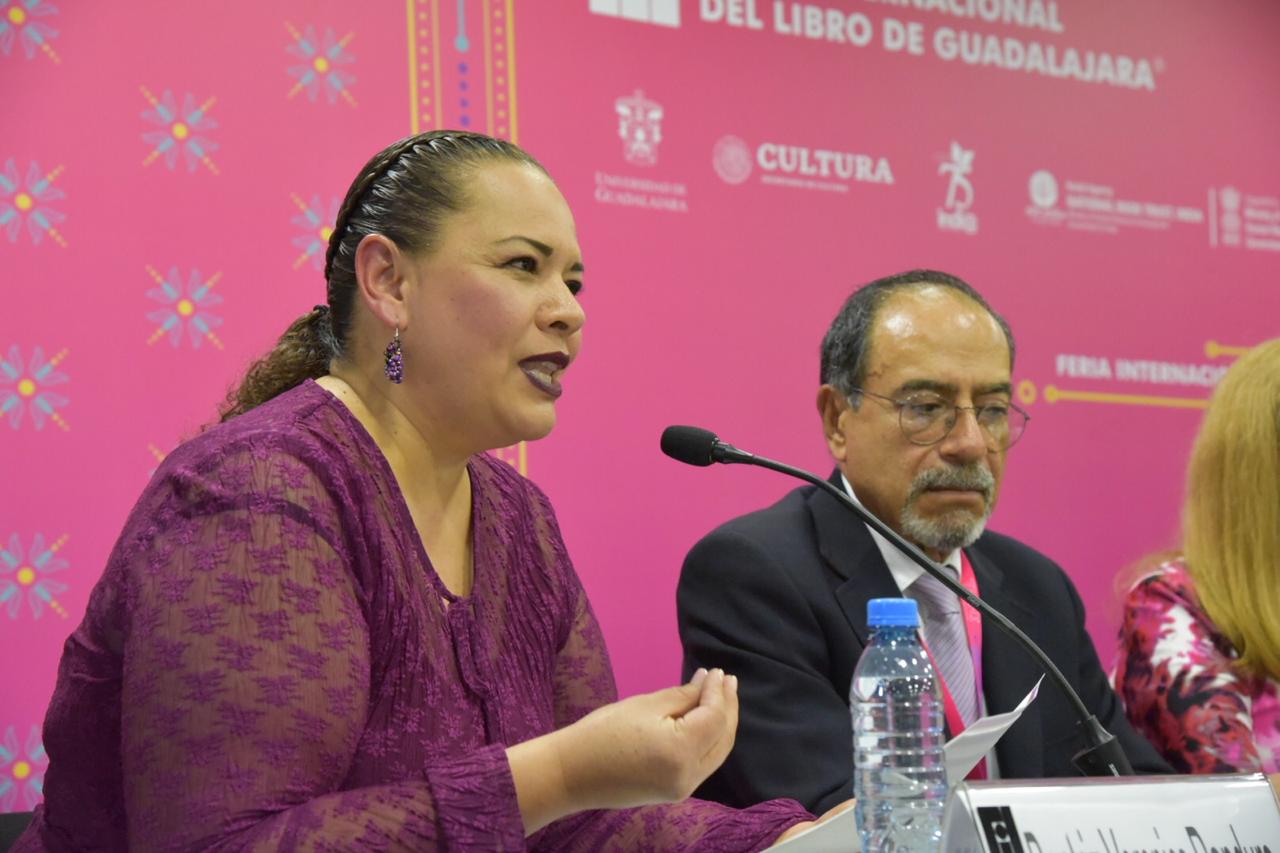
652	748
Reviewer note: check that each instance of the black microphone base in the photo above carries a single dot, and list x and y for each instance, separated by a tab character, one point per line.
1104	757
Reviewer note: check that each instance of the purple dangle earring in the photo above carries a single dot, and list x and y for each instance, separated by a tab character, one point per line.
394	367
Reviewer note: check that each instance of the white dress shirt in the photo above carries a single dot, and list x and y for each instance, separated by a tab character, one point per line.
905	571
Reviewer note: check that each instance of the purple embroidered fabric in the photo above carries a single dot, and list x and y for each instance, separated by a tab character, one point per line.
270	662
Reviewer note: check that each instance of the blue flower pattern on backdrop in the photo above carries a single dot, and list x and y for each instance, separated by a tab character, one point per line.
316	228
21	23
321	70
25	388
30	577
184	307
22	768
30	200
182	131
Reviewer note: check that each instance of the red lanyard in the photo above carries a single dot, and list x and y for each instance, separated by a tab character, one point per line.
973	629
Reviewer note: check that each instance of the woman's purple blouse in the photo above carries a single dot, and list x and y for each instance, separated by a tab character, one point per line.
270	661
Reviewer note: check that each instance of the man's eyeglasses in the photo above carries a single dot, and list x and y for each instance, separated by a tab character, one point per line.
927	418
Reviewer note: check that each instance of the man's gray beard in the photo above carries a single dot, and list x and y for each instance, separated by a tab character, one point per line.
955	529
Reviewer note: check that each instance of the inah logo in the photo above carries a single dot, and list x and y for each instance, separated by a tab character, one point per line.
732	160
955	214
665	13
1044	189
640	126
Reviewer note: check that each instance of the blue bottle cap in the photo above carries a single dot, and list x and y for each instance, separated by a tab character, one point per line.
893	613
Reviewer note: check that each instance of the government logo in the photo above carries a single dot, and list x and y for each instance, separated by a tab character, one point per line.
731	159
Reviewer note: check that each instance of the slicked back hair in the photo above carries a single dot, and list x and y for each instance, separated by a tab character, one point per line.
404	193
847	344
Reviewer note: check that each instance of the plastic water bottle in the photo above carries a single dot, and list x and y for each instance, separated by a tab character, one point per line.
900	776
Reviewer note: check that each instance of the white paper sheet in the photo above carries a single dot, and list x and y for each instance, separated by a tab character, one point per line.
968	748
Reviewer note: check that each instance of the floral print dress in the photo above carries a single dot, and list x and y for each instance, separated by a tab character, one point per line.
1181	687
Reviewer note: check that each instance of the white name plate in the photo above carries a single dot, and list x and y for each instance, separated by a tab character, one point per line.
1137	814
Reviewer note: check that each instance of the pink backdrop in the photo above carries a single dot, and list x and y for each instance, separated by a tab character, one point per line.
1104	172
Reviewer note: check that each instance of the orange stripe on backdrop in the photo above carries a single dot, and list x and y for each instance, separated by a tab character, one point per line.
437	95
522	451
511	68
1214	349
1053	394
425	81
414	124
488	69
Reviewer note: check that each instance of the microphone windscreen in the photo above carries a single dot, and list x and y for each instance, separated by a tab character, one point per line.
690	445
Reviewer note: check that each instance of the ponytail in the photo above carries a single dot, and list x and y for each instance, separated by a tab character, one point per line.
303	352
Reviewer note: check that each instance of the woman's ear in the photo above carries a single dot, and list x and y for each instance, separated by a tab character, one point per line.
380	274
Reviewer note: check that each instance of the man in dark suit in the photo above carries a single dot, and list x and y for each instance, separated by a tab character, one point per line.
917	412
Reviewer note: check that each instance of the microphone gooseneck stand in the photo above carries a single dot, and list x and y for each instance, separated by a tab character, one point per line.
1102	757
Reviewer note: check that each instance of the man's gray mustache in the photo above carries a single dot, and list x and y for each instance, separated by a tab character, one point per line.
974	477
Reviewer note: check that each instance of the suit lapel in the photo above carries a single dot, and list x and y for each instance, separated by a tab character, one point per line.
851	553
1008	671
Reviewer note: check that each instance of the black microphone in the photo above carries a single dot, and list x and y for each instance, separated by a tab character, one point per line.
694	446
1102	757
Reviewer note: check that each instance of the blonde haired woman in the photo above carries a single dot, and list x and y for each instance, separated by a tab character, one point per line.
1200	664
